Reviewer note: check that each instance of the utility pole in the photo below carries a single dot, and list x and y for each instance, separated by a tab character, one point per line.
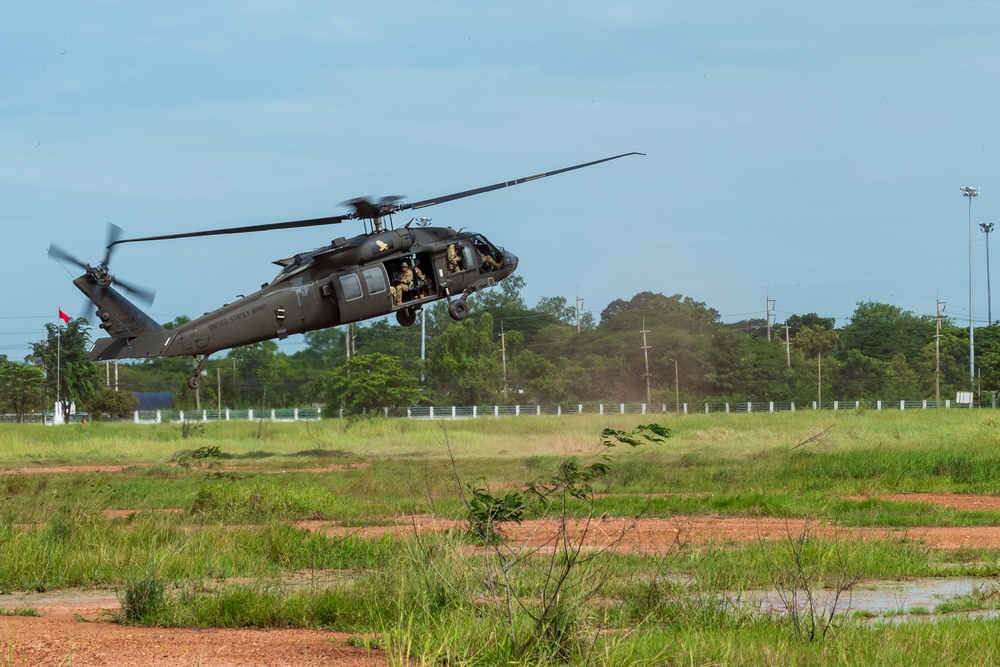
677	389
348	341
937	353
788	344
971	192
767	313
819	380
503	356
579	305
645	352
987	227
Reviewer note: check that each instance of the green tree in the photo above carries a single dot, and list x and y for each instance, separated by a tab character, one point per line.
257	369
22	388
379	336
902	382
325	349
464	366
176	322
748	367
63	355
756	326
810	320
881	331
861	377
678	337
987	359
502	301
370	382
117	404
813	340
558	308
950	353
538	378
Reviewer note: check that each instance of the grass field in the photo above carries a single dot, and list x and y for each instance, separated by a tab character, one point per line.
206	525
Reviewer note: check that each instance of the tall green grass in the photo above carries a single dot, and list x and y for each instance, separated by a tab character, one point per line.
216	543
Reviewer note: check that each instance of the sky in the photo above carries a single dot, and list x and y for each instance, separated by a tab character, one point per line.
800	157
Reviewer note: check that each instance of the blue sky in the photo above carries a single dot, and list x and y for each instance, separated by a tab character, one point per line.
810	152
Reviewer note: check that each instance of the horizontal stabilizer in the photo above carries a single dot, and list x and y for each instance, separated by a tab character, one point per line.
144	346
107	348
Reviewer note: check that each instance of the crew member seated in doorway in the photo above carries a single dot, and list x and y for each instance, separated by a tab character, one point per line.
405	281
454	261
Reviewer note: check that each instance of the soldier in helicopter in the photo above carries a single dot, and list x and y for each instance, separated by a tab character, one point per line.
405	281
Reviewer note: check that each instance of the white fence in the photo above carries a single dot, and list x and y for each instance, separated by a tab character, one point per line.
477	411
273	414
743	407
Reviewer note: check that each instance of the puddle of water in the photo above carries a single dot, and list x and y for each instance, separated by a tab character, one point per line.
879	598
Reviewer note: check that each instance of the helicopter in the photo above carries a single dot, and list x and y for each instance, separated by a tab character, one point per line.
386	270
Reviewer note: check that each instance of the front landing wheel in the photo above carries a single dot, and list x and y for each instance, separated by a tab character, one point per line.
406	317
458	310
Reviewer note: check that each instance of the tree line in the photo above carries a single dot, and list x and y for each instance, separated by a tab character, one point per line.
650	348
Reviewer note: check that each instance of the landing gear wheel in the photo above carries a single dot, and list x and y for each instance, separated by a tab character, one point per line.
406	317
458	309
195	380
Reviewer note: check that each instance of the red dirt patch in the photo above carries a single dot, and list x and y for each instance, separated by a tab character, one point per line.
67	469
59	640
652	536
124	514
655	535
226	467
73	631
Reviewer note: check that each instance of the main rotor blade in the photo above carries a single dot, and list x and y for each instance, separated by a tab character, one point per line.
114	233
58	253
364	209
142	293
293	224
505	184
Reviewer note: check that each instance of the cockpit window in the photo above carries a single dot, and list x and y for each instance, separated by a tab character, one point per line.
467	256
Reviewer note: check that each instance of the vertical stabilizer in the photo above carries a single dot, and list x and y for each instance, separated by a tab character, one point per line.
119	317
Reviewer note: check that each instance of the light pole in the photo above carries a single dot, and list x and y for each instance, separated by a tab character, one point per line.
987	227
971	192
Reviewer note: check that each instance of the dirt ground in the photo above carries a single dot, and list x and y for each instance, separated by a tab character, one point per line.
73	628
67	634
656	535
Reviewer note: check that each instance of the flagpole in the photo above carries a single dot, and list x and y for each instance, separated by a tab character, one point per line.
58	363
65	319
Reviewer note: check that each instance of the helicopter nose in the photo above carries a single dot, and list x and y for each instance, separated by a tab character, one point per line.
510	260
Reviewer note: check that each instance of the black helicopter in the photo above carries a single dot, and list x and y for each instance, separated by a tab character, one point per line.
385	270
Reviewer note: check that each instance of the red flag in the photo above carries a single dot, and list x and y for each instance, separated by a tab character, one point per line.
63	316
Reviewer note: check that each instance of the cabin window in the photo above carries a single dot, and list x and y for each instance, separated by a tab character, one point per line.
351	285
375	280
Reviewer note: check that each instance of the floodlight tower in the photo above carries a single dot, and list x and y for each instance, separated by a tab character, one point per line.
987	227
971	192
